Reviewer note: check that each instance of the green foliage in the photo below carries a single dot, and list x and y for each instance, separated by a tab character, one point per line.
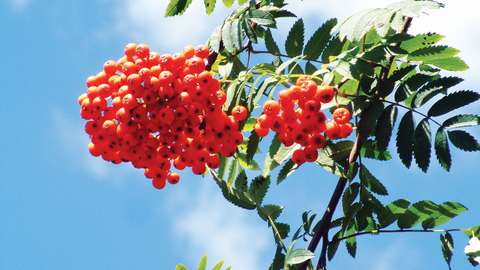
203	265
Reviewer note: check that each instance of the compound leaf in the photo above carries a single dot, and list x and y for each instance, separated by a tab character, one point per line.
432	53
318	42
270	43
445	212
371	182
258	189
421	41
416	213
392	212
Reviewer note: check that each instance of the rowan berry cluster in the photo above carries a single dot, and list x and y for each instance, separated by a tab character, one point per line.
296	116
156	111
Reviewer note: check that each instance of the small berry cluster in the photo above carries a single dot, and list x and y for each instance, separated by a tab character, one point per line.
298	119
157	110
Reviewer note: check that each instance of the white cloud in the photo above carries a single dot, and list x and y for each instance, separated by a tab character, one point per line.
215	227
20	5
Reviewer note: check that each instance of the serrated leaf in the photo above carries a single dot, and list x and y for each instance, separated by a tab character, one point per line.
371	182
405	138
236	32
451	64
384	127
258	189
447	247
422	146
251	165
453	101
369	118
209	5
232	195
295	39
318	41
232	170
203	263
416	214
338	151
228	3
462	120
247	27
330	165
394	80
273	211
432	88
351	244
298	256
310	68
177	7
421	41
333	48
392	212
270	43
463	140
410	85
283	229
279	259
241	181
349	196
332	248
270	162
445	212
369	200
432	53
286	170
370	150
442	150
180	267
260	17
253	142
218	266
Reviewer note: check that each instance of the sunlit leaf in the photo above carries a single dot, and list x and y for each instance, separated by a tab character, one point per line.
432	53
421	41
333	48
349	196
338	151
203	263
445	212
451	64
462	120
286	170
232	170
209	6
298	256
180	267
273	211
258	189
330	165
177	7
416	214
392	212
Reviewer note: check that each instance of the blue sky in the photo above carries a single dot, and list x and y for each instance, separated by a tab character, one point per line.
61	208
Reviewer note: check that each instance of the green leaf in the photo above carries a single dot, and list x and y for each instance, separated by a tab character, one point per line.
422	145
236	33
228	3
369	118
371	182
463	140
298	256
180	267
421	41
445	212
260	17
232	170
453	101
432	53
283	229
410	85
273	211
270	43
330	165
310	68
241	181
247	27
416	213
392	212
319	40
203	263
462	120
349	196
338	151
442	150
270	162
433	88
295	39
251	165
209	5
232	195
451	64
394	80
370	150
405	138
253	142
279	260
177	7
286	170
385	124
351	244
447	247
333	48
258	189
218	266
332	248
